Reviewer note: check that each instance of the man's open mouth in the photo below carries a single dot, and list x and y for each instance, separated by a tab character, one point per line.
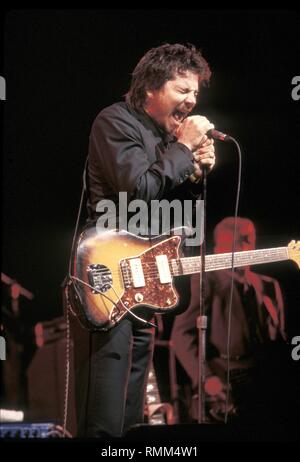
179	116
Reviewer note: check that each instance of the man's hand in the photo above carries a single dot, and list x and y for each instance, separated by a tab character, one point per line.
214	387
204	156
192	131
216	393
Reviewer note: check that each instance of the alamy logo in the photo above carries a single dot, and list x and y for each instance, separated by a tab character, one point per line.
2	348
157	217
2	88
296	349
296	89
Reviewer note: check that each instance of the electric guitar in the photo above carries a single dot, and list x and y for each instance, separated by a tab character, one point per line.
114	272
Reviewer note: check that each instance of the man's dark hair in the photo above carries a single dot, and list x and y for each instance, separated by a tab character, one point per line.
161	64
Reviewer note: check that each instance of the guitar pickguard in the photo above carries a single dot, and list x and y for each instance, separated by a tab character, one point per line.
156	295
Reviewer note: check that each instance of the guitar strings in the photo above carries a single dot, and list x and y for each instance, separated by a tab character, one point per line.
151	270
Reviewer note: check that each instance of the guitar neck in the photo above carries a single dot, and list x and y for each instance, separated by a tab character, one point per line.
221	261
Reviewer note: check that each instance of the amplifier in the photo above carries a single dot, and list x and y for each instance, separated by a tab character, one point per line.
31	430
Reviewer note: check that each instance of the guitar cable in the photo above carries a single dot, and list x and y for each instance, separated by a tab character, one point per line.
68	306
67	381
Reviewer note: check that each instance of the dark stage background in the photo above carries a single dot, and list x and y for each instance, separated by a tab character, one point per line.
63	67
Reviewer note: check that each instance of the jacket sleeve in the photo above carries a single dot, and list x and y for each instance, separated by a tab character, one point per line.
273	302
280	305
116	143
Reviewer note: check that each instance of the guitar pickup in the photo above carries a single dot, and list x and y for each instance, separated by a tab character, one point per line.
163	269
137	272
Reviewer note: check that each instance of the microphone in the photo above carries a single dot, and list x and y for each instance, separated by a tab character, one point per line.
216	135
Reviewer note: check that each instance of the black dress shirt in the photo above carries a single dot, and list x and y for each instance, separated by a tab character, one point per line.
128	152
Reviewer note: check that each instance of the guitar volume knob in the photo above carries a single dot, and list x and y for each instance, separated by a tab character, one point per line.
139	297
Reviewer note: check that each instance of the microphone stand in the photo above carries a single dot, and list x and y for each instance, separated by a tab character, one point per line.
202	318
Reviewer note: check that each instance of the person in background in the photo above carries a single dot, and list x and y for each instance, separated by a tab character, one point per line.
257	321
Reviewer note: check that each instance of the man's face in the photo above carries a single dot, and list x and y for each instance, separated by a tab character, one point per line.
243	242
169	105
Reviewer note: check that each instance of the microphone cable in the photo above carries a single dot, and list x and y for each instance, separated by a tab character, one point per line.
232	274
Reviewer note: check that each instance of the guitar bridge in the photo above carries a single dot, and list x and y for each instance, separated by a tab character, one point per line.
126	273
100	278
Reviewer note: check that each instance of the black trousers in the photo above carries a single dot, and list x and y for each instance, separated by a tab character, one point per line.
111	372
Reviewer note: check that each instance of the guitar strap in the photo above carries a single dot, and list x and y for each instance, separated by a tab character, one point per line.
67	279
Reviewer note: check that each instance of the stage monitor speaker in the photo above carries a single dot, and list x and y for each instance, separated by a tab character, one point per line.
46	385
